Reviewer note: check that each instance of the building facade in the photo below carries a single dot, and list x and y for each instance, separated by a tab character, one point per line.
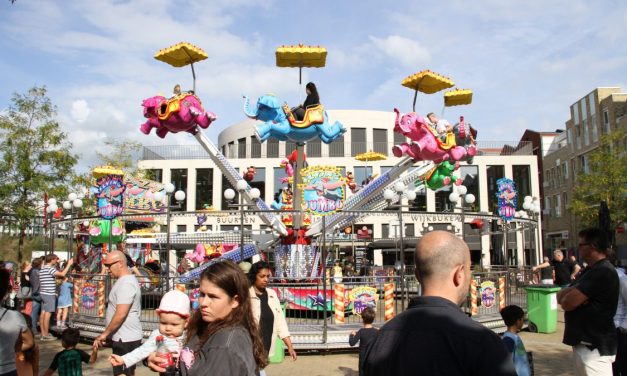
191	170
600	112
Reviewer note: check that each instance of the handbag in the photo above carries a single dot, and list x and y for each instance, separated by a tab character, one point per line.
24	292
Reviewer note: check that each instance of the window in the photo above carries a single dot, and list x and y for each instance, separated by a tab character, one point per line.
584	108
241	148
255	148
565	170
314	148
226	185
575	109
259	181
179	179
583	165
279	173
361	174
336	149
384	169
522	178
578	135
558	206
592	104
272	148
358	141
470	178
399	138
380	141
593	124
420	203
547	205
494	173
204	188
606	121
181	228
565	201
231	149
289	147
569	134
586	133
155	174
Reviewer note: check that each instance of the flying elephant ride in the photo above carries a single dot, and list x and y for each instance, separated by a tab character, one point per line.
177	114
280	123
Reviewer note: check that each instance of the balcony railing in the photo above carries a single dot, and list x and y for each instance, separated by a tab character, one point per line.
315	150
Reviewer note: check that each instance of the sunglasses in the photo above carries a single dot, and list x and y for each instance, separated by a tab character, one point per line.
109	265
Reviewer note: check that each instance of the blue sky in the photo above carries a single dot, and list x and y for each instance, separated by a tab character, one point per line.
526	61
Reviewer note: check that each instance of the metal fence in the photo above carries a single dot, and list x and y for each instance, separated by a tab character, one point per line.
316	305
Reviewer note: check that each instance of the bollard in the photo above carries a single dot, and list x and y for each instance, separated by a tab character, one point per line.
78	287
101	299
339	304
473	298
388	300
501	293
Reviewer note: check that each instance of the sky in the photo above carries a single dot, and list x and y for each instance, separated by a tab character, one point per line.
526	61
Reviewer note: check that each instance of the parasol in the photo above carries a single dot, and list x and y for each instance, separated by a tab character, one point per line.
182	54
427	82
300	57
457	97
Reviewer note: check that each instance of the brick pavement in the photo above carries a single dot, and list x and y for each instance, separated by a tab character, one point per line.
551	357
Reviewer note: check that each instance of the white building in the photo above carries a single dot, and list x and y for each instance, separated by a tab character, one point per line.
191	170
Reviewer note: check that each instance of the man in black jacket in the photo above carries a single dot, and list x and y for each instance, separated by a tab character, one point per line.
433	336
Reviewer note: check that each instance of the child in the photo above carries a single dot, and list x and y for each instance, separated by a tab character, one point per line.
513	316
364	336
173	313
27	361
68	361
64	302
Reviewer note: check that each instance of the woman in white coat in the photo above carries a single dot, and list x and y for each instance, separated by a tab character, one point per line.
267	310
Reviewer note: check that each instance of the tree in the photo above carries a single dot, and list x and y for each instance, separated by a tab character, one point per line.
606	180
36	158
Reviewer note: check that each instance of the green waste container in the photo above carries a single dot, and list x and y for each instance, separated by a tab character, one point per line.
542	308
279	351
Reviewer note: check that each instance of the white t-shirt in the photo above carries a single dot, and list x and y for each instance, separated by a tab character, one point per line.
441	126
12	325
126	291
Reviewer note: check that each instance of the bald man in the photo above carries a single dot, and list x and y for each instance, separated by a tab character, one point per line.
433	336
123	311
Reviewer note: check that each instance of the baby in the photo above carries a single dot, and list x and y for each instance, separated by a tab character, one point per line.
173	313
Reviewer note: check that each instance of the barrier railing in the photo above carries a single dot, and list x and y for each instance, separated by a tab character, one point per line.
318	305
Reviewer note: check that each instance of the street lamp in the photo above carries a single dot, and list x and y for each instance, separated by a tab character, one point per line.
392	196
52	208
179	196
462	197
229	195
72	202
531	205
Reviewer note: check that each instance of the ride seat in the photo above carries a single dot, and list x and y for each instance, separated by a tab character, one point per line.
313	115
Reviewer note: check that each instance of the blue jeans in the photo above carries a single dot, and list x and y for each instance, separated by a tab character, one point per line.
35	315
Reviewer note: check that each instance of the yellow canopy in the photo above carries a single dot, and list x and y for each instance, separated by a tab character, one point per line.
457	97
101	171
181	54
301	56
371	156
427	82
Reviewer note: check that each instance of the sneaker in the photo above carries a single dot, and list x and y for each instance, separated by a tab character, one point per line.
47	338
38	336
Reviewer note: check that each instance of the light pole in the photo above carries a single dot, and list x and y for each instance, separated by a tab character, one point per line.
73	201
463	198
392	196
52	208
179	196
229	194
532	206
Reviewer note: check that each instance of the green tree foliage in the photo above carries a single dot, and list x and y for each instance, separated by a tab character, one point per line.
606	180
36	158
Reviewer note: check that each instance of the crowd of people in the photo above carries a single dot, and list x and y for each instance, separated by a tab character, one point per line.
239	320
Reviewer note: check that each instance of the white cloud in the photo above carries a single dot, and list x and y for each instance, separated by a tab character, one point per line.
80	110
406	51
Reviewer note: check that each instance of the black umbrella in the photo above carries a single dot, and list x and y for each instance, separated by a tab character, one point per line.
605	222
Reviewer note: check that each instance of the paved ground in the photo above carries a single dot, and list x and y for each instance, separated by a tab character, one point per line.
551	357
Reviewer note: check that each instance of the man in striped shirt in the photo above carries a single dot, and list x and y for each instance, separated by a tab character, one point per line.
47	291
